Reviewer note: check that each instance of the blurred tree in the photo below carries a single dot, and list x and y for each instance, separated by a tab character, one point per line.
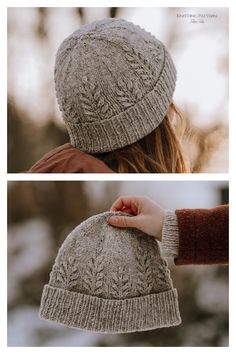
27	142
114	11
19	139
41	28
81	14
224	195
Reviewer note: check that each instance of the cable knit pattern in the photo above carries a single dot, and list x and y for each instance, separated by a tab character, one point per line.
170	235
114	83
67	274
120	283
144	272
94	278
110	280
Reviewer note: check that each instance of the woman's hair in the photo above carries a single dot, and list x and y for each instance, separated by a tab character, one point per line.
158	152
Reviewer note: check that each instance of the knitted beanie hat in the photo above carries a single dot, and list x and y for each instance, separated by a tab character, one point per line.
110	280
114	83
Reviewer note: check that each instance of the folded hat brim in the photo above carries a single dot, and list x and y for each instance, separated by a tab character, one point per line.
96	314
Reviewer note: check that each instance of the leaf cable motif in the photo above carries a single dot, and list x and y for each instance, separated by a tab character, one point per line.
120	283
144	272
141	65
67	274
94	101
94	279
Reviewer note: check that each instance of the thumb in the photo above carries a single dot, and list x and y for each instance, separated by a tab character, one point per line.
123	221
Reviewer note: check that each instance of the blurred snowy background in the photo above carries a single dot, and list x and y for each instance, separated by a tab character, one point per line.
196	37
41	215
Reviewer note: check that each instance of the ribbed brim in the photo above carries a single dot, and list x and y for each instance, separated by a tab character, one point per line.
91	313
132	124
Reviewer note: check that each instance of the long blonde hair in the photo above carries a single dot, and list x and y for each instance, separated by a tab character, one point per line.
158	152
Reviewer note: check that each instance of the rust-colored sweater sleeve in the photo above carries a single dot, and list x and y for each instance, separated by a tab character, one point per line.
203	236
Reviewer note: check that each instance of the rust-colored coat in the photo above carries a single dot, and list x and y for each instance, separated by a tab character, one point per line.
203	236
68	159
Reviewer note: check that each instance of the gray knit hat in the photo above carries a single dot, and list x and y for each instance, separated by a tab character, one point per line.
114	83
110	280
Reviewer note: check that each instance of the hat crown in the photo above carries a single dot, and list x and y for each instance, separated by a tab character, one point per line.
105	70
113	263
109	66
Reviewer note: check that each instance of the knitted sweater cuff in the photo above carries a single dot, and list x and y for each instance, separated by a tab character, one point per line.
170	235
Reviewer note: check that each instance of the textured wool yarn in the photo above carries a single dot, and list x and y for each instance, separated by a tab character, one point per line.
114	84
111	280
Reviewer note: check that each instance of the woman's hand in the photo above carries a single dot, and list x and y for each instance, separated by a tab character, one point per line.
147	215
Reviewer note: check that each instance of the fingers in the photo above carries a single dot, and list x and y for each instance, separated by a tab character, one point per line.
128	210
123	221
120	203
125	203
